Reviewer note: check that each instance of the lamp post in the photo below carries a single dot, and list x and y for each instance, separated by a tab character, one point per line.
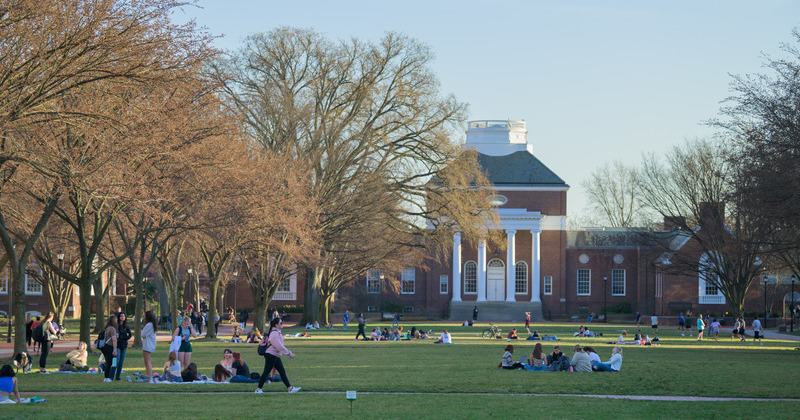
791	309
765	297
235	274
381	286
605	299
189	271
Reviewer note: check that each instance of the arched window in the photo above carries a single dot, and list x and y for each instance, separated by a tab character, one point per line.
521	278
471	277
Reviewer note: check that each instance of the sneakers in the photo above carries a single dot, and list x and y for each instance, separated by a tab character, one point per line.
294	389
107	380
259	391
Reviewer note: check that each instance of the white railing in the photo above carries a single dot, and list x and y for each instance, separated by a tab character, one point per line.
285	296
712	300
496	124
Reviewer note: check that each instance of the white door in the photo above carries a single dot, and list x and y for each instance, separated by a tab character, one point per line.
496	280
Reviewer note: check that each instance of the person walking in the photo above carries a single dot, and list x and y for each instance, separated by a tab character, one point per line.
756	332
362	322
149	341
110	348
123	335
243	317
700	327
395	320
681	325
654	324
274	338
345	320
49	333
528	322
475	313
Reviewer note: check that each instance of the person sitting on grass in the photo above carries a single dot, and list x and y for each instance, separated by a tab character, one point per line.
172	368
375	335
555	355
77	359
227	360
593	356
240	370
8	385
236	337
535	336
537	360
395	335
614	363
444	338
507	362
190	373
425	335
254	336
512	335
580	361
622	337
220	374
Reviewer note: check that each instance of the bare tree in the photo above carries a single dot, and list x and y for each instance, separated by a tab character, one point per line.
359	113
614	192
692	185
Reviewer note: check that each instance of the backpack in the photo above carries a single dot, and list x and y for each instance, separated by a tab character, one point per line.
38	334
101	340
263	345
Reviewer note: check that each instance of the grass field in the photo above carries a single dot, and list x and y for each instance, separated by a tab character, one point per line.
462	379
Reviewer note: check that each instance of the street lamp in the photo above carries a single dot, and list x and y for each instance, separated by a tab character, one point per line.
190	271
765	297
235	274
791	309
605	299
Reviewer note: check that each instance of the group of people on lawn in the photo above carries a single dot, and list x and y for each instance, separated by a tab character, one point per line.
584	359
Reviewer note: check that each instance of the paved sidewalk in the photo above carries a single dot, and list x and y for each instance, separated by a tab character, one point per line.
772	335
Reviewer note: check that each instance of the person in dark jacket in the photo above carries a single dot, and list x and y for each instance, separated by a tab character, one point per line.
123	335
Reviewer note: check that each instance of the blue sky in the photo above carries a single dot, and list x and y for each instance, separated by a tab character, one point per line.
595	80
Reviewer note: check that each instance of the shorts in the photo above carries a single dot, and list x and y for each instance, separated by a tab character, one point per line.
699	330
714	330
741	331
756	335
186	347
655	326
680	323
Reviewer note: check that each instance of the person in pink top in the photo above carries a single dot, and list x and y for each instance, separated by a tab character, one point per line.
273	356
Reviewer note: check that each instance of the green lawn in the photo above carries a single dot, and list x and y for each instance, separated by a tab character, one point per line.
331	361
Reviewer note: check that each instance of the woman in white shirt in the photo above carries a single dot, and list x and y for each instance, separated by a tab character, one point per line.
149	340
614	363
593	356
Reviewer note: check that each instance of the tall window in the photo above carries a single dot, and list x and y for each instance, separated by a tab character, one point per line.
659	279
407	281
471	277
443	284
285	285
617	282
32	287
548	285
521	278
374	281
584	282
4	282
711	290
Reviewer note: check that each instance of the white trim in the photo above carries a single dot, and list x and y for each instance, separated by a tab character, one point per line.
523	281
624	282
545	282
371	277
501	187
31	280
405	280
465	278
443	281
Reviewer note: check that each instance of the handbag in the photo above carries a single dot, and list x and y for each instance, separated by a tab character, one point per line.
50	335
263	345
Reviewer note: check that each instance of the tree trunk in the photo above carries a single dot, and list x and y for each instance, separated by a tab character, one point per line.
259	314
173	308
100	305
212	309
311	304
325	309
138	312
18	276
86	311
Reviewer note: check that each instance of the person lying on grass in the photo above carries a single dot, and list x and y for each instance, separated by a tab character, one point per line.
614	363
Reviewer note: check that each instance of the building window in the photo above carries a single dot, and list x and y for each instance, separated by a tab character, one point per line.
443	284
407	281
409	309
584	282
32	287
548	285
4	282
285	285
374	281
521	278
617	282
471	277
372	309
708	292
659	279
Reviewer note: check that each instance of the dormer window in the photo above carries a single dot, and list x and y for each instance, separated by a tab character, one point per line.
498	200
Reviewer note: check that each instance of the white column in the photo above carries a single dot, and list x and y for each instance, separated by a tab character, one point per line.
510	266
456	268
482	270
535	266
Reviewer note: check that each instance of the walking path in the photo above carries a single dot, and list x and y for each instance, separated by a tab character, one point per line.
459	394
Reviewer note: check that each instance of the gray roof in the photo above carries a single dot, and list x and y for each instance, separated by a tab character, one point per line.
519	168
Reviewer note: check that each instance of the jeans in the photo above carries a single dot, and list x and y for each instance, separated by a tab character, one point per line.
272	361
120	360
242	379
43	356
108	370
361	332
603	367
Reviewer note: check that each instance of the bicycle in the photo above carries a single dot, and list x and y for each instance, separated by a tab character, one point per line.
492	332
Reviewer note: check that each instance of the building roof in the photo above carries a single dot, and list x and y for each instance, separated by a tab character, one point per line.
519	169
